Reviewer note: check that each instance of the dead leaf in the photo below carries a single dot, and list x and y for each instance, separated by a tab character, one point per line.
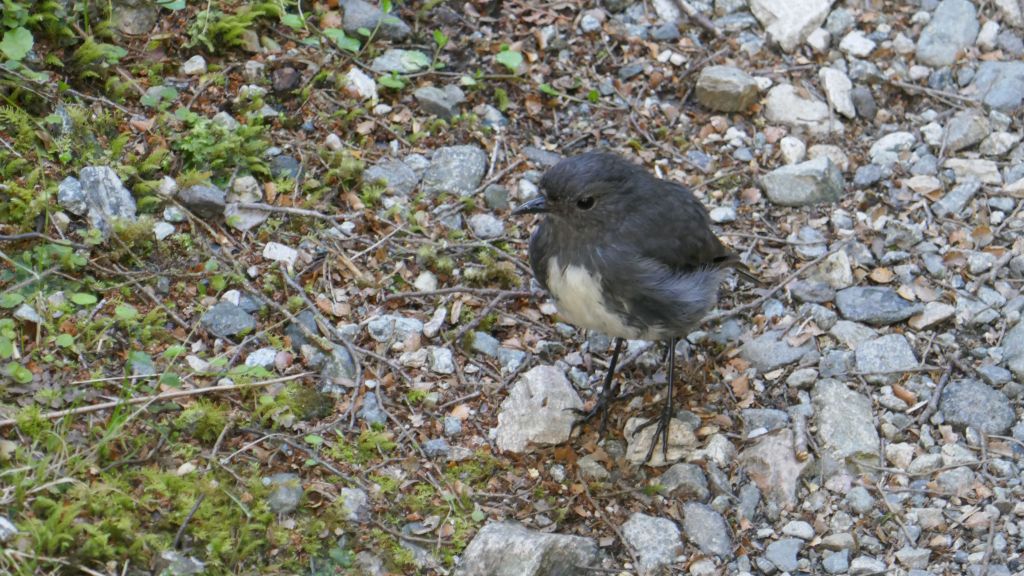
881	275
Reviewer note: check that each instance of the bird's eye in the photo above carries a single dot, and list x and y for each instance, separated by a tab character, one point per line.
585	203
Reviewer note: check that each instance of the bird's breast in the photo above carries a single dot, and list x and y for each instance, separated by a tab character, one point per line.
580	300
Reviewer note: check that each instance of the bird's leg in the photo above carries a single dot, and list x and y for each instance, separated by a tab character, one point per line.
666	411
609	390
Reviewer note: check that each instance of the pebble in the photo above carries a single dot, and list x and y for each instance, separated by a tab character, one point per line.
656	541
885	359
874	305
726	89
813	182
969	402
844	420
782	553
798	529
486	226
953	27
855	43
706	529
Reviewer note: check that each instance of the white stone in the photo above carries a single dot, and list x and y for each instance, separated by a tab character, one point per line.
886	150
987	37
832	152
819	40
162	230
168	187
538	410
722	214
280	253
934	312
985	171
784	105
998	143
194	66
837	88
426	281
360	85
1011	10
923	184
933	134
793	150
903	45
333	142
918	72
857	44
790	22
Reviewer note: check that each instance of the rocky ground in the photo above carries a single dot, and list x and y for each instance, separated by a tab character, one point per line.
328	324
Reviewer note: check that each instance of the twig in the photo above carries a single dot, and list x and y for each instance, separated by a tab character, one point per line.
932	91
469	396
41	236
933	402
609	523
699	18
158	397
458	290
478	319
188	518
292	210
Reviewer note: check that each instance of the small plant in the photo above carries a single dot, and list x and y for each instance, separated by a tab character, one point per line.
511	59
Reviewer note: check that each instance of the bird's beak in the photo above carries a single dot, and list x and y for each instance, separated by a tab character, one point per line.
537	205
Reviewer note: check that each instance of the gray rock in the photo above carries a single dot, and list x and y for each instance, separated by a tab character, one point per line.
994	375
837	562
396	175
839	22
798	529
665	32
338	372
456	170
243	218
965	129
957	481
225	320
452	426
812	291
356	504
864	102
7	529
135	17
886	150
845	422
1013	349
767	418
784	105
726	89
98	194
866	565
782	553
685	482
507	548
486	226
436	448
790	22
706	529
1000	85
874	305
838	90
177	564
368	564
496	197
205	201
285	492
972	403
360	14
591	469
953	27
486	344
393	327
656	541
371	412
285	166
860	500
957	198
772	464
537	410
443	103
890	353
770	351
400	61
813	182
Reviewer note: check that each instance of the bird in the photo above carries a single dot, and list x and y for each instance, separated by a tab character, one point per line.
627	254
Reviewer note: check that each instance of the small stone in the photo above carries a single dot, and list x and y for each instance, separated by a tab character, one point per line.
782	553
860	500
934	313
360	85
914	557
953	27
874	305
864	102
194	66
509	548
784	105
686	482
844	419
885	359
205	201
364	15
706	529
656	541
770	351
965	129
591	469
965	169
436	448
400	61
789	23
722	214
681	441
280	253
819	40
486	226
798	529
987	37
355	502
865	566
162	230
726	89
855	43
866	176
793	150
537	410
887	149
225	320
456	170
837	562
812	182
285	492
443	103
968	402
956	199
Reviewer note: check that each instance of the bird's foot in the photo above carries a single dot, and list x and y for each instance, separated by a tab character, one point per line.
601	407
663	421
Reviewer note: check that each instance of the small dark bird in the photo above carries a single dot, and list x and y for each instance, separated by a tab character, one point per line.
627	254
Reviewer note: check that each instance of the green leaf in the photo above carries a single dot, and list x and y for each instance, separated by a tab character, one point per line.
126	312
172	4
510	59
170	379
385	6
547	89
16	43
593	96
478	515
11	299
393	81
314	440
364	32
6	347
174	351
19	373
343	41
65	340
441	39
292	21
83	299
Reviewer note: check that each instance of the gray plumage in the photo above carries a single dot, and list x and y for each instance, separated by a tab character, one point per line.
646	241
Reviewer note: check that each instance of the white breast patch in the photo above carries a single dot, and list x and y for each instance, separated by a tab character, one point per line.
578	298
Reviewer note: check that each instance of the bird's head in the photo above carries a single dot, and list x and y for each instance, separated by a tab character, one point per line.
591	187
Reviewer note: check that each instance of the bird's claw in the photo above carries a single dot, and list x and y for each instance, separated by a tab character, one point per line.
663	420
